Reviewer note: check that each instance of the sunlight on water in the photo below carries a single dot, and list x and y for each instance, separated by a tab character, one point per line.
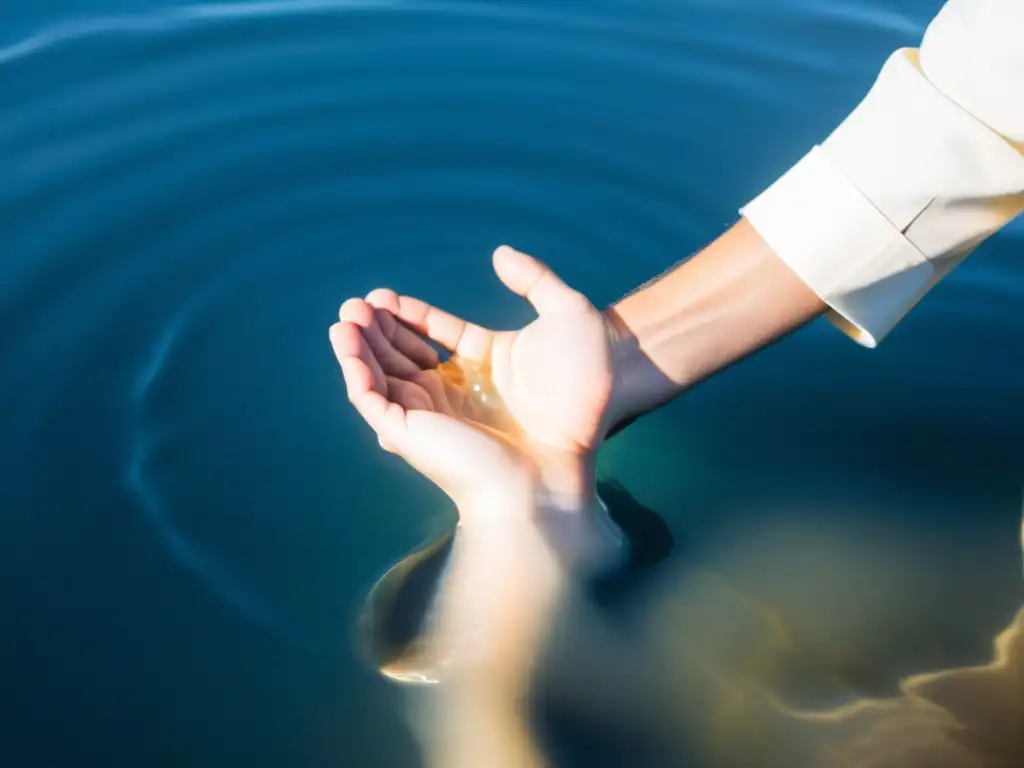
168	19
176	17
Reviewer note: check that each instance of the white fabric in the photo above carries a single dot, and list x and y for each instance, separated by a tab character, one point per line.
925	168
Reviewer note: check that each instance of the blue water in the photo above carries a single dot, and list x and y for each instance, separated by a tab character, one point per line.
191	513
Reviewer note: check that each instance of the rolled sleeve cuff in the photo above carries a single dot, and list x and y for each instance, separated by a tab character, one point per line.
842	247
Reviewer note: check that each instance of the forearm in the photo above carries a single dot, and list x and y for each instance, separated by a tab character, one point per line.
730	300
507	580
926	167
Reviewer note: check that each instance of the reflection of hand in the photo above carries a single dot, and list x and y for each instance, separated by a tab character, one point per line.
391	380
554	375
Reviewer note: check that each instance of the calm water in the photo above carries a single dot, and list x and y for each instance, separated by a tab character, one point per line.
190	511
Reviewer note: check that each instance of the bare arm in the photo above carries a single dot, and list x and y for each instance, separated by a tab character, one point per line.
926	167
730	300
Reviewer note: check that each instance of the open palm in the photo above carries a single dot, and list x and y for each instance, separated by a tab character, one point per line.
392	381
554	375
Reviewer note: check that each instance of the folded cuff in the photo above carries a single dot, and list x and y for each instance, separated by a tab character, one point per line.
842	247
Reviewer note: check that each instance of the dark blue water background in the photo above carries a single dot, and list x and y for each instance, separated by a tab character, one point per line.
190	513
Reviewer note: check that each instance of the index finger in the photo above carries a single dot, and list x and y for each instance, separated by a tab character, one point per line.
466	339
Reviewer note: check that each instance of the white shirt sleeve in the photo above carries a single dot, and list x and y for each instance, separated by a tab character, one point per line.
925	168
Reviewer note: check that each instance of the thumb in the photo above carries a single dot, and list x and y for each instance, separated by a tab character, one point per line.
534	281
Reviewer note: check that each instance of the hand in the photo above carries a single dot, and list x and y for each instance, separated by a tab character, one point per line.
391	378
554	376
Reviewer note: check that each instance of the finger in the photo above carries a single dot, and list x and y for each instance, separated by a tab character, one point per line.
363	393
409	343
366	385
356	311
366	317
385	417
392	360
434	386
415	347
348	343
534	281
410	396
455	334
360	314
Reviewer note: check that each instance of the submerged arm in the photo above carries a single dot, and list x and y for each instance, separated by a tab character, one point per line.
507	579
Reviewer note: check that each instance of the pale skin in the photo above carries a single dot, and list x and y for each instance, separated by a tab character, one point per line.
574	372
567	378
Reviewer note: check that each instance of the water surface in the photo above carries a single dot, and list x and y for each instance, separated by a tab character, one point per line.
191	513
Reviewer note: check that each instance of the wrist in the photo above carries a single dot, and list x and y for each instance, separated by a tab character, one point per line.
492	506
638	384
541	476
573	530
733	298
581	534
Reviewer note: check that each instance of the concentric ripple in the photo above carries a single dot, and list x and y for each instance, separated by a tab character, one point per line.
190	513
188	194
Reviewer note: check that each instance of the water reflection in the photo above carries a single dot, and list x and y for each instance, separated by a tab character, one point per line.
699	671
775	649
192	515
780	646
727	677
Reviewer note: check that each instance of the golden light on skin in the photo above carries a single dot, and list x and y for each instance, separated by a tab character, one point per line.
399	621
473	397
399	618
